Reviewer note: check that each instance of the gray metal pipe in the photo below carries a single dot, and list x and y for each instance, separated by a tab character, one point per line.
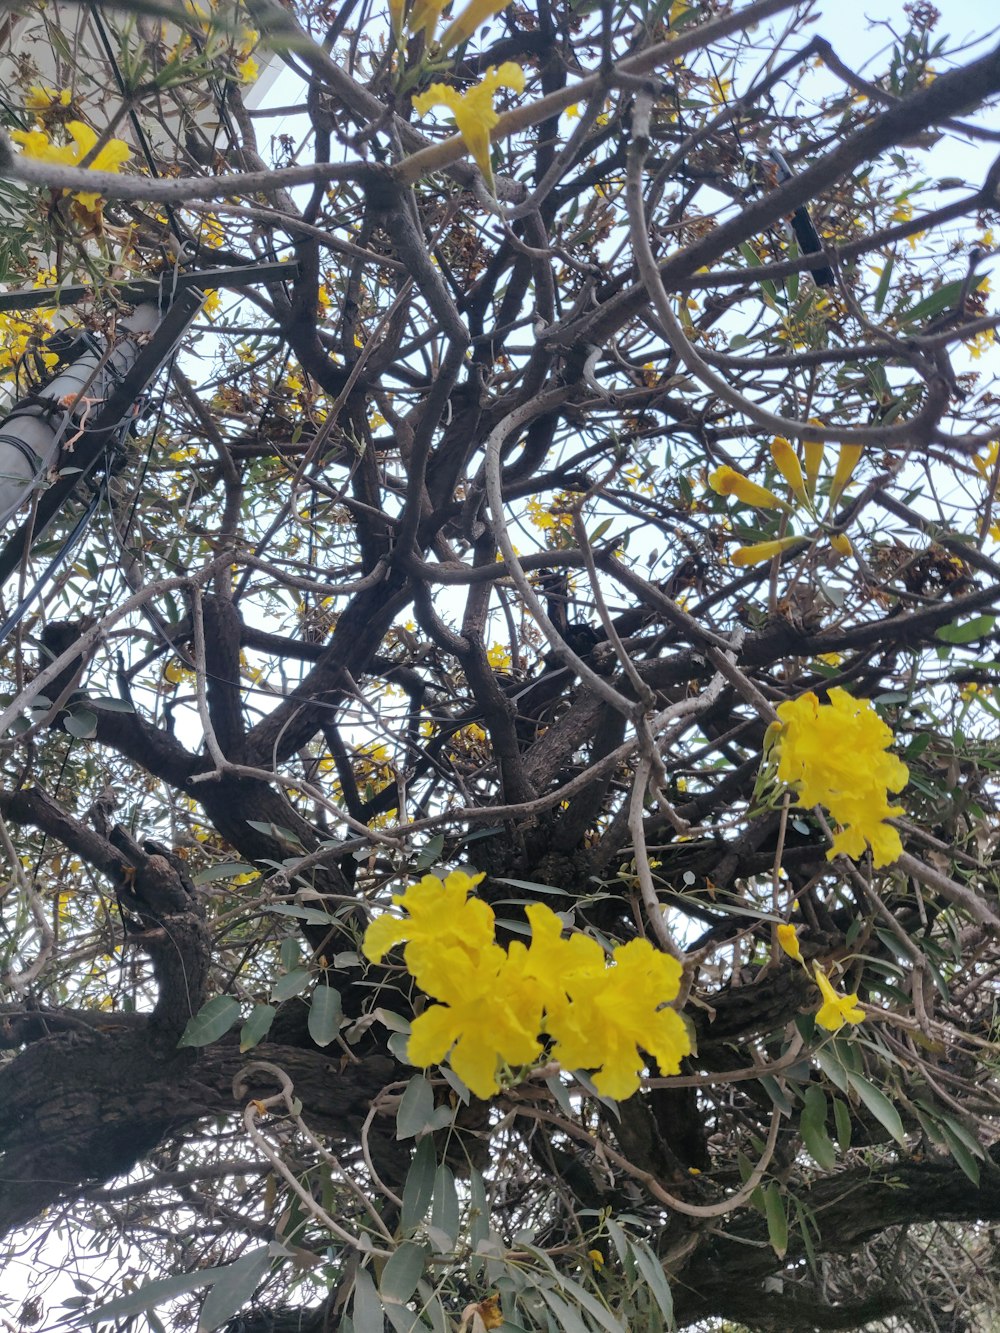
34	431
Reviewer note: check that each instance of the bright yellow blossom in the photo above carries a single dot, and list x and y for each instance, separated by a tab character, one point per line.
787	462
762	551
727	481
473	16
789	941
813	451
37	144
599	1012
473	111
836	1009
834	755
850	455
42	98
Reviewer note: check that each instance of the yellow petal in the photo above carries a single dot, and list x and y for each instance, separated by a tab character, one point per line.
850	454
789	941
727	481
762	551
473	16
787	463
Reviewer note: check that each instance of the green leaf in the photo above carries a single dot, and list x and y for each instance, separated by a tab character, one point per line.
942	299
842	1118
531	886
960	1152
416	1107
429	855
652	1270
777	1222
325	1013
444	1210
212	1021
879	1105
366	1310
257	1026
223	870
419	1186
233	1288
812	1125
965	632
881	291
311	914
81	723
402	1272
568	1320
164	1289
292	983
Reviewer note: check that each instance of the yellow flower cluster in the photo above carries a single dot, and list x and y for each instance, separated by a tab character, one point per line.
495	1002
473	111
802	485
18	334
115	153
834	755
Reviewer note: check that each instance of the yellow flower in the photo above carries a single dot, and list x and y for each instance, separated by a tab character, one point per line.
834	756
490	1015
248	70
114	154
473	16
599	1013
727	481
836	1010
762	551
841	543
597	1259
42	98
787	463
813	450
789	941
473	111
985	466
846	463
438	911
498	657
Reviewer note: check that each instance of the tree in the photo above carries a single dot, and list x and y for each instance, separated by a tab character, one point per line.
605	516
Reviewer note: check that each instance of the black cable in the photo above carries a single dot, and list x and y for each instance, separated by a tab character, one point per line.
82	523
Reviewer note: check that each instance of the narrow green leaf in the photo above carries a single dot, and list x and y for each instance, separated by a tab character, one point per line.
325	1012
366	1309
961	1153
882	290
652	1270
964	632
777	1221
942	299
212	1021
416	1106
842	1118
568	1320
223	870
257	1026
879	1105
812	1125
233	1288
418	1188
402	1272
444	1209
